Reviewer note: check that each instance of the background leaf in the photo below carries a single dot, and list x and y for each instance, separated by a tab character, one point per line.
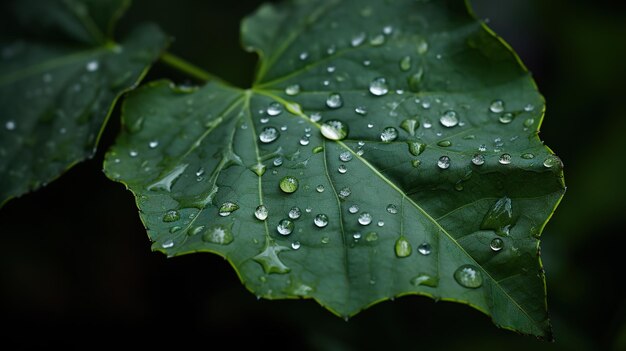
60	75
441	187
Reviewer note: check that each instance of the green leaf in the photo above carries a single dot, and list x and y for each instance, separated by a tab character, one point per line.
385	149
60	75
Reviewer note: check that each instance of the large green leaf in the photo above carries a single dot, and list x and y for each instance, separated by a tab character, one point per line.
60	75
441	187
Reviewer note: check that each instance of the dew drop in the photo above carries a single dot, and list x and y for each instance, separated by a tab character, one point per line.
361	110
405	63
377	40
268	135
403	247
356	236
334	130
288	184
424	249
389	134
133	153
499	218
505	159
410	125
353	209
278	161
292	90
227	208
357	40
529	108
342	169
261	212
218	234
318	149
468	276
325	240
497	106
345	156
416	148
92	66
391	208
445	143
528	156
416	163
168	244
321	220
294	212
171	216
529	122
334	101
153	144
344	193
425	279
478	160
449	119
496	244
304	141
443	162
303	56
285	227
319	188
258	169
274	109
365	218
315	117
552	161
379	87
10	125
506	118
422	46
295	245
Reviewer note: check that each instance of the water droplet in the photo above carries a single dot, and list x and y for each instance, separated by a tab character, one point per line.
529	108
342	169
319	188
496	244
357	40
259	169
171	216
167	181
334	130
321	220
316	117
528	156
92	66
278	161
345	156
410	125
389	134
482	148
353	209
379	87
175	228
497	106
361	110
227	208
424	249
478	160
416	148
387	30
371	236
552	161
344	193
529	122
168	244
391	208
303	56
422	46
218	234
449	119
403	247
468	276
295	245
270	261
274	109
292	90
304	141
261	212
377	40
318	149
294	213
445	143
506	118
133	153
308	209
416	163
285	226
443	162
425	106
356	236
288	184
499	218
153	144
365	218
405	63
269	134
425	279
505	159
10	125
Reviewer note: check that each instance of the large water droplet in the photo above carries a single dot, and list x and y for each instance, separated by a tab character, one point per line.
424	249
334	130
365	218
292	90
294	212
288	184
321	220
334	101
497	106
403	247
468	276
261	212
505	159
496	244
449	119
219	234
389	134
285	226
379	87
171	216
443	162
391	208
416	148
269	134
425	279
227	208
274	109
500	217
552	161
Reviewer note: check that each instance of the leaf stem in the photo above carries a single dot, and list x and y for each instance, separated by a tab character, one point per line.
187	68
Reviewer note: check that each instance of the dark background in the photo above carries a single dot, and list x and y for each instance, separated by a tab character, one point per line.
76	268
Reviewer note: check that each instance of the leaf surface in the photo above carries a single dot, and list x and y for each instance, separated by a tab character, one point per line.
60	75
385	149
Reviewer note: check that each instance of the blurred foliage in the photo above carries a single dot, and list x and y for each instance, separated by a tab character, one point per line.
83	270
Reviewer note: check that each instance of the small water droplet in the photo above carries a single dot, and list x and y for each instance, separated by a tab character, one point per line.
334	130
405	63
153	144
482	148
403	247
292	90
10	125
416	148
410	125
278	161
380	223
528	156
505	159
371	236
318	149
316	117
443	162
449	119
496	244
268	135
353	209
195	230
258	169
288	184
168	244
171	216
218	234
325	240
468	276
379	87
416	163
389	134
303	56
295	245
133	153
321	220
345	156
497	106
529	108
377	40
478	160
294	212
92	66
342	169
304	141
422	46
387	30
361	110
308	209
445	143
319	188
261	212
357	40
425	279
425	106
391	208
365	218
356	236
274	109
344	193
285	227
424	249
552	161
227	208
